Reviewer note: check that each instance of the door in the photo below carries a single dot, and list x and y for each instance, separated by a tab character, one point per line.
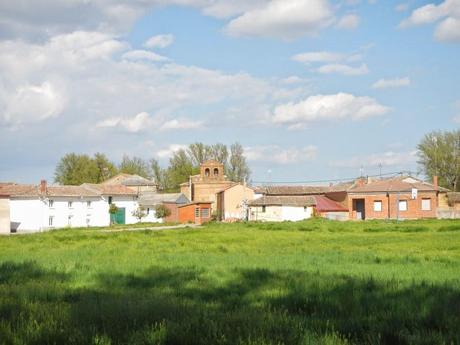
120	216
360	209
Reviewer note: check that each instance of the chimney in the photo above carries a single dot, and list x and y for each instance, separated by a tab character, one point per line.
361	181
43	186
435	181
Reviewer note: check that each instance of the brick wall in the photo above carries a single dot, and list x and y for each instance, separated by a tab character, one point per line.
390	205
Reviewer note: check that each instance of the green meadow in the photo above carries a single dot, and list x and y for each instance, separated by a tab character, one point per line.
312	282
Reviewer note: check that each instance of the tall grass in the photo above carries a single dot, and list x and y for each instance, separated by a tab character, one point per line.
312	282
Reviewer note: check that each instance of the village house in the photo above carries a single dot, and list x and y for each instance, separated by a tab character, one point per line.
232	202
35	208
294	203
172	201
394	198
205	186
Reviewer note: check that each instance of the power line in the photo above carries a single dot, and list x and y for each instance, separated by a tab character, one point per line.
332	180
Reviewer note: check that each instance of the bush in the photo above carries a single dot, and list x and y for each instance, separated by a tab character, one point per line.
161	211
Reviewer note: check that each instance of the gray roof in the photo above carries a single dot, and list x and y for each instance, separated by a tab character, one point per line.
137	180
152	198
292	200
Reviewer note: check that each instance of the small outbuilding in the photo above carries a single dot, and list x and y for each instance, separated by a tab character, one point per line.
150	200
196	212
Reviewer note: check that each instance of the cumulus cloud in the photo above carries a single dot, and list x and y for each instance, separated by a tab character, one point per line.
181	123
170	150
333	62
348	22
33	103
319	56
328	107
388	158
391	83
344	69
141	121
143	55
287	19
280	155
402	7
445	14
159	41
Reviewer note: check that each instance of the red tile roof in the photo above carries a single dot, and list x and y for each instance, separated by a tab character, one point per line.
324	204
109	189
397	184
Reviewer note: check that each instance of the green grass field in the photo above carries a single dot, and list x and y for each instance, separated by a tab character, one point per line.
312	282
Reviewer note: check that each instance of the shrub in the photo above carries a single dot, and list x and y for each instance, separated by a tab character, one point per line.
161	211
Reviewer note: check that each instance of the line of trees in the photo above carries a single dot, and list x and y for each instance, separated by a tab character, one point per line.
75	169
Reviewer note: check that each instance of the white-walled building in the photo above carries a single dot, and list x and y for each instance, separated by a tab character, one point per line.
281	208
39	208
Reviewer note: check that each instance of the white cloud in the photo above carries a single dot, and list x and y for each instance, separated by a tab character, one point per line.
391	83
341	106
389	159
319	56
140	122
344	69
225	8
349	21
181	124
143	55
287	19
33	103
170	150
280	155
159	41
448	12
333	62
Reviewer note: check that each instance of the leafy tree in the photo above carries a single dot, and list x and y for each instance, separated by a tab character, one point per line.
198	153
135	166
238	169
161	211
139	213
105	168
439	154
181	168
75	169
161	176
219	152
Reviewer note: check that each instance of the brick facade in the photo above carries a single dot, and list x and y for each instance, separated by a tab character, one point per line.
389	205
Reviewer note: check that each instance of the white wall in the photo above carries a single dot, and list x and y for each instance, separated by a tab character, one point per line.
280	213
33	215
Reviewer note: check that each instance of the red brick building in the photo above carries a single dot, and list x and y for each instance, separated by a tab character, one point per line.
196	212
394	198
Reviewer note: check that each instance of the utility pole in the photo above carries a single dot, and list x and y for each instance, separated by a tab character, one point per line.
380	169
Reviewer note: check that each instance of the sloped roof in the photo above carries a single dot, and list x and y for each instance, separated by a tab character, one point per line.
292	200
129	180
324	204
396	184
27	190
101	189
151	198
292	190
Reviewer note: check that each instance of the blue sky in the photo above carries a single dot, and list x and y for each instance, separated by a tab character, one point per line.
313	89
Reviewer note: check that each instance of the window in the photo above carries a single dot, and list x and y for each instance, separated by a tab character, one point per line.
378	206
216	172
264	208
51	203
88	204
148	210
110	200
426	204
197	212
403	205
70	204
69	220
88	220
50	221
207	172
205	213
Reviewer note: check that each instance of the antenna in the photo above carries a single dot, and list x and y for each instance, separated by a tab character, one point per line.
380	169
361	171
